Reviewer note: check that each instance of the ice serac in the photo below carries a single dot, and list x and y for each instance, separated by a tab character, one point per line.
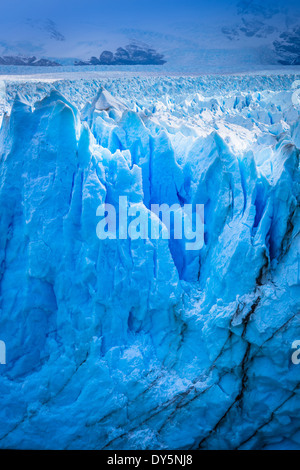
130	344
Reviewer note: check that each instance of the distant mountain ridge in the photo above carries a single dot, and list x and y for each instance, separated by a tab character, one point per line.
28	61
132	54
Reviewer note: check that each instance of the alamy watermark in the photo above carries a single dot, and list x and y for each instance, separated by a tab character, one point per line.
2	352
296	354
134	221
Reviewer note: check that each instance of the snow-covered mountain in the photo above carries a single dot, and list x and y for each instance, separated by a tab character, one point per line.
288	47
27	61
270	25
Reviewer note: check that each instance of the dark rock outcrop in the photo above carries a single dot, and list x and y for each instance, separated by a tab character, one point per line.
106	58
131	54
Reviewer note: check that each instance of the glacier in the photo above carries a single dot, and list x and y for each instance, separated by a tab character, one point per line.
140	344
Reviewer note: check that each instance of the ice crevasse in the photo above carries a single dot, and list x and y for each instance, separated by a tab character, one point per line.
139	344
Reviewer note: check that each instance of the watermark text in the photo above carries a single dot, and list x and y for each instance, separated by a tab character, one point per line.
135	221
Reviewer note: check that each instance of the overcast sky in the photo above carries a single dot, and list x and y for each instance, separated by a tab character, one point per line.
103	20
120	12
114	12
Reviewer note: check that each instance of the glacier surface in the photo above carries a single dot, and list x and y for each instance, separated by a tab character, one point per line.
139	344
